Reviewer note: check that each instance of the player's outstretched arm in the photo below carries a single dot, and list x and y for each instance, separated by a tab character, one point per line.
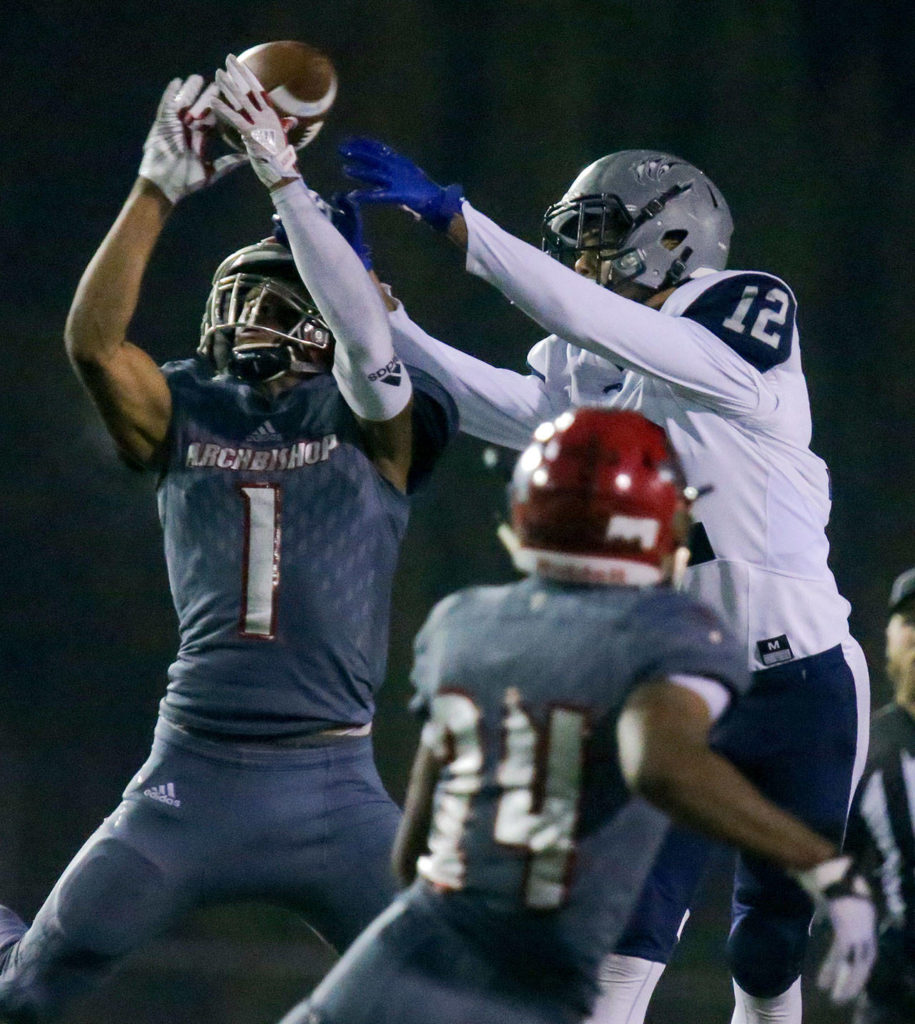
664	755
624	332
375	386
495	404
125	383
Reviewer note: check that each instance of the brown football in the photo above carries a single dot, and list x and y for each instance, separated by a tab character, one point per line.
300	81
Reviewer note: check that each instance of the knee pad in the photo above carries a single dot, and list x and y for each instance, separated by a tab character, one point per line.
766	951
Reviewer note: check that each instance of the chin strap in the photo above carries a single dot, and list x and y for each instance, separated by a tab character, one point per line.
259	365
677	269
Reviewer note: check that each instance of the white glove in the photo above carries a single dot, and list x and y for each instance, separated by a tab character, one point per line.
844	899
200	113
243	104
174	153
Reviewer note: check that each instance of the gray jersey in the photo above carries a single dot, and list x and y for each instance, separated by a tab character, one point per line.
522	686
281	540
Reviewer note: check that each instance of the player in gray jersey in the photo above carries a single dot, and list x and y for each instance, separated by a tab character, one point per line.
545	703
285	455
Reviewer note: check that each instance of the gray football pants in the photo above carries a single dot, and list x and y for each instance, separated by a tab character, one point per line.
413	966
307	828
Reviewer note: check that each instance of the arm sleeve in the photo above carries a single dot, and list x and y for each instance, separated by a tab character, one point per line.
367	371
496	405
715	694
675	349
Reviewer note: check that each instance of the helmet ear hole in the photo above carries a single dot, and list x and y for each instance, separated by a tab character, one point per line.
672	239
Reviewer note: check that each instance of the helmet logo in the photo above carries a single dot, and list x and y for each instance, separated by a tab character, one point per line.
629	529
652	169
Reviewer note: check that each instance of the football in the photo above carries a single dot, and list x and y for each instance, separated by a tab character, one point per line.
300	81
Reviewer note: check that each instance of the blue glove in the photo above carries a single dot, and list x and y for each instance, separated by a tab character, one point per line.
398	181
347	219
345	216
279	232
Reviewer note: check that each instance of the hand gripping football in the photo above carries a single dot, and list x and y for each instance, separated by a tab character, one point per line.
300	81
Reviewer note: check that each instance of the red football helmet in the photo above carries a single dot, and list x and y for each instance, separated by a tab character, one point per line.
599	497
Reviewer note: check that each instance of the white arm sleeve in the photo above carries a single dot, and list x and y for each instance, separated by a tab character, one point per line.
366	369
716	695
674	349
497	405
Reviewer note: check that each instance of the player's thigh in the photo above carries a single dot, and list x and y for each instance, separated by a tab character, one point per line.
140	870
341	884
117	892
795	735
654	926
410	968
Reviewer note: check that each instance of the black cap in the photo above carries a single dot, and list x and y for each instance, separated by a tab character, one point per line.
903	588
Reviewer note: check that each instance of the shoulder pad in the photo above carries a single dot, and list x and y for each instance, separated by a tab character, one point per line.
436	617
754	314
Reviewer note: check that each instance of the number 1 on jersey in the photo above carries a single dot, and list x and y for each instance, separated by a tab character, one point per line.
260	560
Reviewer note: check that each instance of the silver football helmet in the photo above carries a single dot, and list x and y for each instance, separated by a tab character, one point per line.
653	217
257	291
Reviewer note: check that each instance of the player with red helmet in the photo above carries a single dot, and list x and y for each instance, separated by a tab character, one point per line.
548	703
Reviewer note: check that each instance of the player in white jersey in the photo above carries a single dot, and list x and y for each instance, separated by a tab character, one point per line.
713	357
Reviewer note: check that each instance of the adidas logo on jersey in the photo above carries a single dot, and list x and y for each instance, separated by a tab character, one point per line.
266	433
164	794
390	374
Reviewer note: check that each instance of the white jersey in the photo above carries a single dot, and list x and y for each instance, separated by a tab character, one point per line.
719	368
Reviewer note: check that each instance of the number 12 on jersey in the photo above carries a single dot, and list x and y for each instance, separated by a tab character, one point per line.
260	560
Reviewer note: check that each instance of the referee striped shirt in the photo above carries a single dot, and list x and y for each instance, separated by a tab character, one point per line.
881	831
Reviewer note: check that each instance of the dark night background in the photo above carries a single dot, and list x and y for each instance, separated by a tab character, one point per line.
802	113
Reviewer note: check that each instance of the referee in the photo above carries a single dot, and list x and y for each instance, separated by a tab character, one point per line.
881	829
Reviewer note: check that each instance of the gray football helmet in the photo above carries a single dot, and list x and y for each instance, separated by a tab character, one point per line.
258	287
653	217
